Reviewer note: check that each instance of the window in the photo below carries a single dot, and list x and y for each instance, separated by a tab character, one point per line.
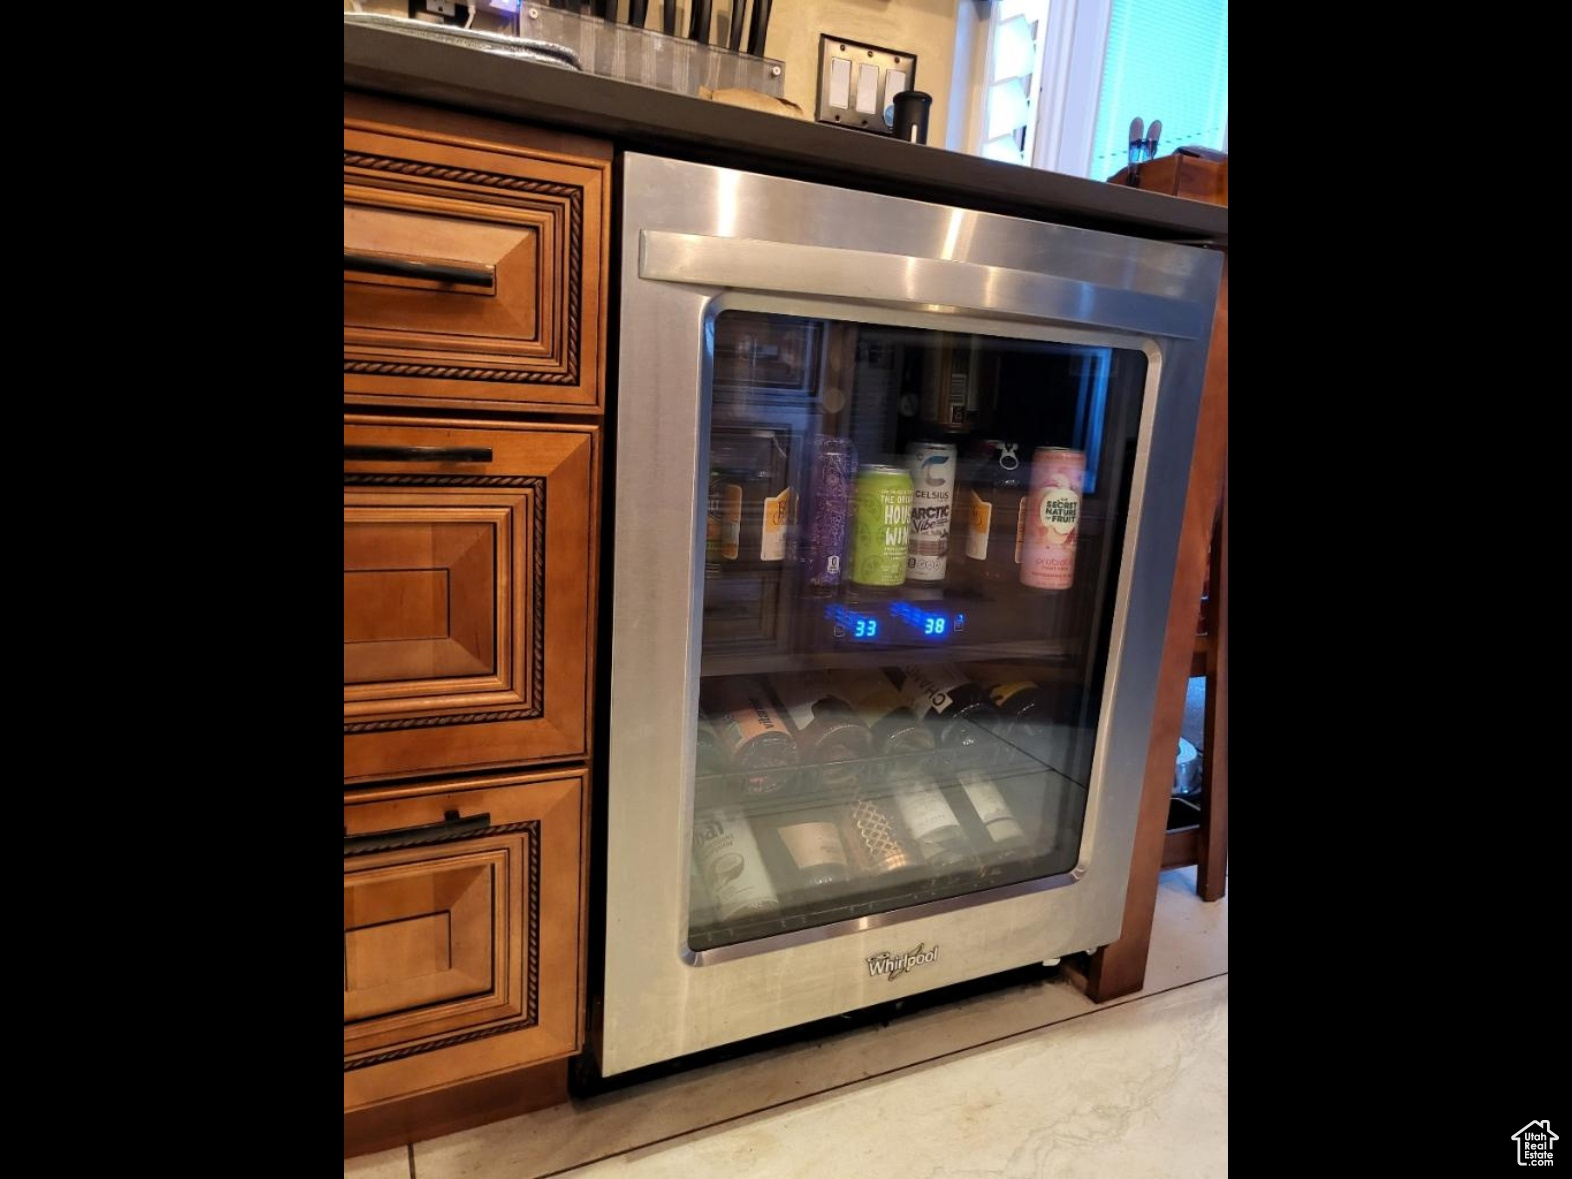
1167	60
1062	80
1015	56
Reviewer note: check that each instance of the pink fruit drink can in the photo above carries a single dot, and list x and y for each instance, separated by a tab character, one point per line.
1053	518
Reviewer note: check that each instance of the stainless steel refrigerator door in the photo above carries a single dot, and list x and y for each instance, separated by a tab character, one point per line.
698	240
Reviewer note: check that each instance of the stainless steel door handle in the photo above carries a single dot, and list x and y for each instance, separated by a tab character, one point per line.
754	265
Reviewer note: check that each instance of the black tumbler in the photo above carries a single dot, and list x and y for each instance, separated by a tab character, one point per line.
911	115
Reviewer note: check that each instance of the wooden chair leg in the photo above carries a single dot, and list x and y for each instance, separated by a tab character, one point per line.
1211	874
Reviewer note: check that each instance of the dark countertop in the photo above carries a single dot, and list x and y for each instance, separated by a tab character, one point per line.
642	118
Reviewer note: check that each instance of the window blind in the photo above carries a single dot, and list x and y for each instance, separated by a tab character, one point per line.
1167	60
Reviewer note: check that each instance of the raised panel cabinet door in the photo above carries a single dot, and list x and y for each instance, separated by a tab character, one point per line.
469	591
474	273
463	913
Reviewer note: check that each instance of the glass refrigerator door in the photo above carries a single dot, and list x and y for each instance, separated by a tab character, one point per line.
912	547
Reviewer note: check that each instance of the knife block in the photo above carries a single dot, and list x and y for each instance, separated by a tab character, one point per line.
1179	175
610	49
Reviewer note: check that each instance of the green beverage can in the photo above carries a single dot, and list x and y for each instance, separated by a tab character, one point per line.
881	522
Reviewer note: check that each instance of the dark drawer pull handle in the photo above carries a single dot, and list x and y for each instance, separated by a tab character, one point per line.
410	268
451	827
418	454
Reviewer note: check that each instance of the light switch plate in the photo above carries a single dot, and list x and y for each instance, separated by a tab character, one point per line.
839	84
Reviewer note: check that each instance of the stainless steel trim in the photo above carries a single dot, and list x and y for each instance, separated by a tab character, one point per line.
660	999
801	937
524	48
931	283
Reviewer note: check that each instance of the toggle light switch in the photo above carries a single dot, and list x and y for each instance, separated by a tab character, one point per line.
867	88
894	83
840	83
858	83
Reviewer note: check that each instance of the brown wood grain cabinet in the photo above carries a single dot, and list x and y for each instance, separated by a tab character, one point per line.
461	931
469	560
475	268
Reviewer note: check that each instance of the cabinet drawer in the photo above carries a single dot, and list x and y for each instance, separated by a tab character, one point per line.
474	273
462	931
469	589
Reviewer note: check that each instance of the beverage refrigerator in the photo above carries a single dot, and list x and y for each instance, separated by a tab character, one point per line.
897	499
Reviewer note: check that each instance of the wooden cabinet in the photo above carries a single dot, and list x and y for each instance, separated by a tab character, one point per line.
469	594
461	930
475	267
473	271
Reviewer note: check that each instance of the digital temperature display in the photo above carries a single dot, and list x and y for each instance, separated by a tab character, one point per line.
896	622
929	624
854	624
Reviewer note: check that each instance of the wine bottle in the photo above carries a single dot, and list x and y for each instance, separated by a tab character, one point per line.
876	841
710	762
993	507
813	853
998	834
900	741
1032	718
753	734
701	908
936	832
733	867
830	735
964	720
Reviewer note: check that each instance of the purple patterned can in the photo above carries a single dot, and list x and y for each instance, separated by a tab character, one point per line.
832	472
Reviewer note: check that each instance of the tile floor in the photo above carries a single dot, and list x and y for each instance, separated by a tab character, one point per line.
1031	1082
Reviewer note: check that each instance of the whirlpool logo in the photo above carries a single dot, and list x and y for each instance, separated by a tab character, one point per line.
892	966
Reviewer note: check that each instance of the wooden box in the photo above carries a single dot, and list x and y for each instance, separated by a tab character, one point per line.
1179	175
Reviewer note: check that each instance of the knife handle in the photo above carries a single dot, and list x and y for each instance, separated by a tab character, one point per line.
699	22
756	33
738	17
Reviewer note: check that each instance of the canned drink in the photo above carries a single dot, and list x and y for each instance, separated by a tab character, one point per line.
826	525
933	495
881	521
1053	517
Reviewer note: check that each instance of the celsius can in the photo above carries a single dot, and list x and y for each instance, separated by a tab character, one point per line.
822	541
1053	516
933	493
881	518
